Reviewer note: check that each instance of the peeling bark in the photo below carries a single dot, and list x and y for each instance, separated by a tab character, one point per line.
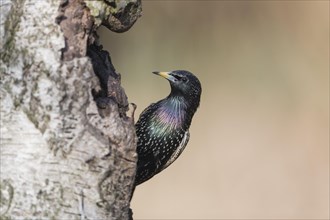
77	25
67	145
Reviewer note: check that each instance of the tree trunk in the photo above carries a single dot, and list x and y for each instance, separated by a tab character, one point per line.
67	146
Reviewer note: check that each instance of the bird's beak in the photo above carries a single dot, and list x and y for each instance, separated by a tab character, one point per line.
166	75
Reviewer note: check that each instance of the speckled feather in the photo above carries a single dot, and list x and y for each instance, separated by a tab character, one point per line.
163	127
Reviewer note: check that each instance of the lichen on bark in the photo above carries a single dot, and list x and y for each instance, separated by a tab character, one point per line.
117	15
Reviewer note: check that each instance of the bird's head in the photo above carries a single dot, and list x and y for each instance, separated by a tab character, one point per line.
183	83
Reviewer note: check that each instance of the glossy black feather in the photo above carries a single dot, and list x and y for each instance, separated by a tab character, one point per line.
163	127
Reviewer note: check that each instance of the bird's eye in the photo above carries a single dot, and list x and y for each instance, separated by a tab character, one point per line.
184	79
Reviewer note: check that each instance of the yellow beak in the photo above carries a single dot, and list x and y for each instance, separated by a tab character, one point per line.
166	75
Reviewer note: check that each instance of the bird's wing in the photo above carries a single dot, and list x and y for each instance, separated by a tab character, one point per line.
150	165
178	151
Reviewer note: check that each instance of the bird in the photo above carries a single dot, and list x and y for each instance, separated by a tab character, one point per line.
163	127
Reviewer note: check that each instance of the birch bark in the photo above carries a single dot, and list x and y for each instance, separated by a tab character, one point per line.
61	158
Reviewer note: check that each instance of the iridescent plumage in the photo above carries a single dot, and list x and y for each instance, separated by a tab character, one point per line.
163	127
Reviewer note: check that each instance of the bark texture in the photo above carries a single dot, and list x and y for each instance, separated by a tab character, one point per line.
67	146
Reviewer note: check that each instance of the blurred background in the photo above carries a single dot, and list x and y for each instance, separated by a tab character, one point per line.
259	146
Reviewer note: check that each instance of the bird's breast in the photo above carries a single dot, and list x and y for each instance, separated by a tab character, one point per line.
165	122
168	118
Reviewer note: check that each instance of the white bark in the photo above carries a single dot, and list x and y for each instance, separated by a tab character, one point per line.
59	158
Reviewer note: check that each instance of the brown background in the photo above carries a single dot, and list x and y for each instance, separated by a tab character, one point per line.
259	144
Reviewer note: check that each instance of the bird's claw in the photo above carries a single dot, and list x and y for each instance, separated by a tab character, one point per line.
133	111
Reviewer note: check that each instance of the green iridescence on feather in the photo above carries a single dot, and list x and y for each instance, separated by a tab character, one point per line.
168	117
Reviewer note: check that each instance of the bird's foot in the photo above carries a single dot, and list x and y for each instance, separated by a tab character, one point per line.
133	111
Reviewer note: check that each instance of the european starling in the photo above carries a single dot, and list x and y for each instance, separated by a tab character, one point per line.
163	127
